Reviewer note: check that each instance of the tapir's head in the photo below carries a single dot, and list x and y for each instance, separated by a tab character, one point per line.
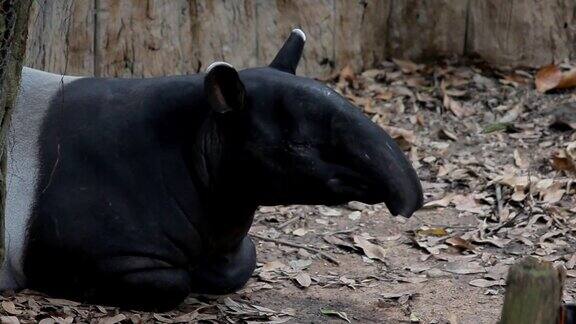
299	142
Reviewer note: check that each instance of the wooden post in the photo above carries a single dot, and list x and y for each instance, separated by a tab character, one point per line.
533	294
13	33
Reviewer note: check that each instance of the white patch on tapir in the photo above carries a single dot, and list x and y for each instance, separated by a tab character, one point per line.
36	92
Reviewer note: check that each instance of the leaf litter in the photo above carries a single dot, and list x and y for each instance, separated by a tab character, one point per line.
496	154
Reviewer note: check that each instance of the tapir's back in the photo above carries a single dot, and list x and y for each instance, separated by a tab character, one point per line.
36	92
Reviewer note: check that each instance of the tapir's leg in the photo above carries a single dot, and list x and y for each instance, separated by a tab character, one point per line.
153	289
227	273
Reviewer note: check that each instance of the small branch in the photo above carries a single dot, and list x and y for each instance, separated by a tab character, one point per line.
290	221
499	204
296	245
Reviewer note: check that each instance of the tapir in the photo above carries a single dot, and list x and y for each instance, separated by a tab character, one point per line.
138	192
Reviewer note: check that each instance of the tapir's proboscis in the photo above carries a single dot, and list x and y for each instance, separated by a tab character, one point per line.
138	192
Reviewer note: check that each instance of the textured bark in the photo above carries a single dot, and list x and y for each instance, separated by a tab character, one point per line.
13	31
61	36
276	18
160	37
427	29
522	32
136	38
533	293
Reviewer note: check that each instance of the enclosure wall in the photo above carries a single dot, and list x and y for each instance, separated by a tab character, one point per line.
160	37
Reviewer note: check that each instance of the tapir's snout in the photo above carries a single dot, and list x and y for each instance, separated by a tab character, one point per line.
386	174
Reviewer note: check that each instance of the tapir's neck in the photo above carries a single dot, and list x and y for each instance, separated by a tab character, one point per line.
227	207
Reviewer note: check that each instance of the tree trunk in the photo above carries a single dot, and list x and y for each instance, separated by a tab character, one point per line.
13	33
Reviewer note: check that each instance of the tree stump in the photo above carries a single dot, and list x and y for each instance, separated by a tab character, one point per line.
533	294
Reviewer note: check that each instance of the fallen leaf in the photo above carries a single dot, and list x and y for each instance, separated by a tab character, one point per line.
548	78
444	202
112	319
460	243
347	75
551	77
300	232
331	312
407	66
483	283
303	279
433	231
10	308
9	320
371	250
403	137
520	160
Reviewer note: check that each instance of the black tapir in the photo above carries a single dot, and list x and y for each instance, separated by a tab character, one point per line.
137	192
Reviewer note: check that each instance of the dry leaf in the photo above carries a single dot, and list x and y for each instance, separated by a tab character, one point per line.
548	78
10	308
433	231
483	283
371	250
303	279
403	137
300	232
444	202
520	160
460	243
9	320
113	319
347	75
407	66
332	312
551	77
454	106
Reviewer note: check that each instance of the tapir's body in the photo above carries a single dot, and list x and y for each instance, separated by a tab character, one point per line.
138	192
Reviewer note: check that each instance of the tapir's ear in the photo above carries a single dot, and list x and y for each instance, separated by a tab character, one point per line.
289	55
223	88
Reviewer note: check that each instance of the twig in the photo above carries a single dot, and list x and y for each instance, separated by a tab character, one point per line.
346	231
499	204
290	221
296	245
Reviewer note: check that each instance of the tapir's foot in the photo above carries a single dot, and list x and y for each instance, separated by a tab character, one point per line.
225	274
154	289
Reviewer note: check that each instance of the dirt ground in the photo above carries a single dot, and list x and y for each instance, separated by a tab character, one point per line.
497	160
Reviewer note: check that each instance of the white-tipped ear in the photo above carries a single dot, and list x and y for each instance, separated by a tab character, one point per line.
300	33
217	63
223	88
289	55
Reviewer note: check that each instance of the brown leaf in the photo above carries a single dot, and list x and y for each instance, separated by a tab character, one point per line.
371	250
460	243
10	308
444	202
454	106
9	320
551	77
403	137
407	66
347	75
483	283
113	319
520	160
548	78
303	279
